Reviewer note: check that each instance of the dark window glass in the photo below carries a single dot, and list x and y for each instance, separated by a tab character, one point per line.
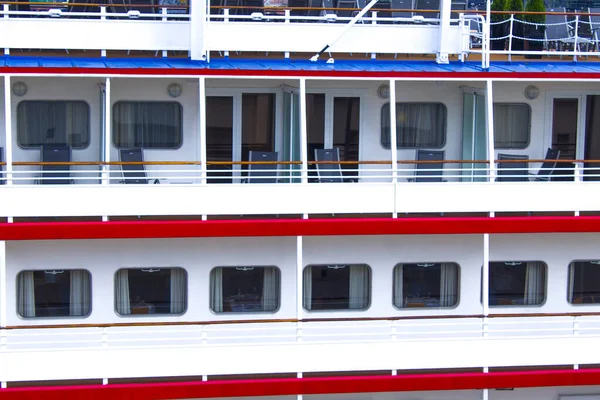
346	119
258	123
426	285
584	282
418	125
64	123
512	126
151	291
65	293
517	283
244	289
147	124
337	287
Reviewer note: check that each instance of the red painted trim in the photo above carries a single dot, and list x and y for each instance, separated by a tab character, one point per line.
295	73
295	227
306	386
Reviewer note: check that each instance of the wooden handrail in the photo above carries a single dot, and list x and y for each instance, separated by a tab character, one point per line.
294	320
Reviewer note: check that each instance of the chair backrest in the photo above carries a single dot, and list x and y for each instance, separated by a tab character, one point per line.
428	5
385	7
298	3
431	171
55	174
556	28
548	166
457	6
262	173
315	4
345	4
402	5
329	172
512	171
594	21
133	173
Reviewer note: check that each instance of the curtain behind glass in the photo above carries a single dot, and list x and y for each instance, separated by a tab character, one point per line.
448	285
80	293
359	287
270	295
123	301
307	285
26	295
398	286
511	126
178	291
147	124
418	125
216	298
534	283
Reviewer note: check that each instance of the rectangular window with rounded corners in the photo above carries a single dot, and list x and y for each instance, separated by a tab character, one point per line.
584	282
337	287
150	291
54	293
512	125
426	285
147	124
418	125
58	123
245	289
517	283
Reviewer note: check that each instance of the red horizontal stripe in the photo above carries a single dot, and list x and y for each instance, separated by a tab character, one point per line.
295	386
294	227
295	73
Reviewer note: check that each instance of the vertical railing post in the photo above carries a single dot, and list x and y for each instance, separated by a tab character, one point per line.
576	44
3	288
510	36
3	343
374	22
8	130
489	116
198	14
202	129
103	18
107	131
5	8
445	41
303	132
393	141
575	333
485	291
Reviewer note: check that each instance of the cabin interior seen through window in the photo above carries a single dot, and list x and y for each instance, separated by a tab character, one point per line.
147	124
517	283
426	285
244	289
418	125
56	123
337	287
151	291
54	293
584	282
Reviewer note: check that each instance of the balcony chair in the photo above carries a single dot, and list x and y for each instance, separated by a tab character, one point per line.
457	7
548	166
427	5
429	172
262	173
55	174
512	171
133	173
346	13
594	24
305	13
329	173
402	5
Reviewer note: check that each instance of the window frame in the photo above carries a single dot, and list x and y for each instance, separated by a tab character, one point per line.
155	315
458	287
221	313
89	123
398	147
569	283
113	130
58	317
546	273
496	147
370	301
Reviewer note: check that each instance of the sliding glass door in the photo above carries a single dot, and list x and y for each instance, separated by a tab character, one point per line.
474	136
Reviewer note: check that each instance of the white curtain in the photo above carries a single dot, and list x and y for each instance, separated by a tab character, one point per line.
448	285
419	124
359	287
147	124
178	290
217	290
80	293
122	292
307	285
270	289
26	295
398	286
511	125
534	283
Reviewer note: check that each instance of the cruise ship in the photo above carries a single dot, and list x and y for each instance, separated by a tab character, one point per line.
203	199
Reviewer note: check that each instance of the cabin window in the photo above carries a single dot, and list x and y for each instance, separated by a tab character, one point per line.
418	125
147	124
517	283
584	282
337	287
242	289
145	291
426	285
64	293
58	123
512	125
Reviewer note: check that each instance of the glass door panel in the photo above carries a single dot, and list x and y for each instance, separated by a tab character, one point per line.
474	137
258	124
291	135
565	113
219	137
315	126
346	119
592	138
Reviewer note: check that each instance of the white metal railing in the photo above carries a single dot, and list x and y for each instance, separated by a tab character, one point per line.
314	332
456	171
